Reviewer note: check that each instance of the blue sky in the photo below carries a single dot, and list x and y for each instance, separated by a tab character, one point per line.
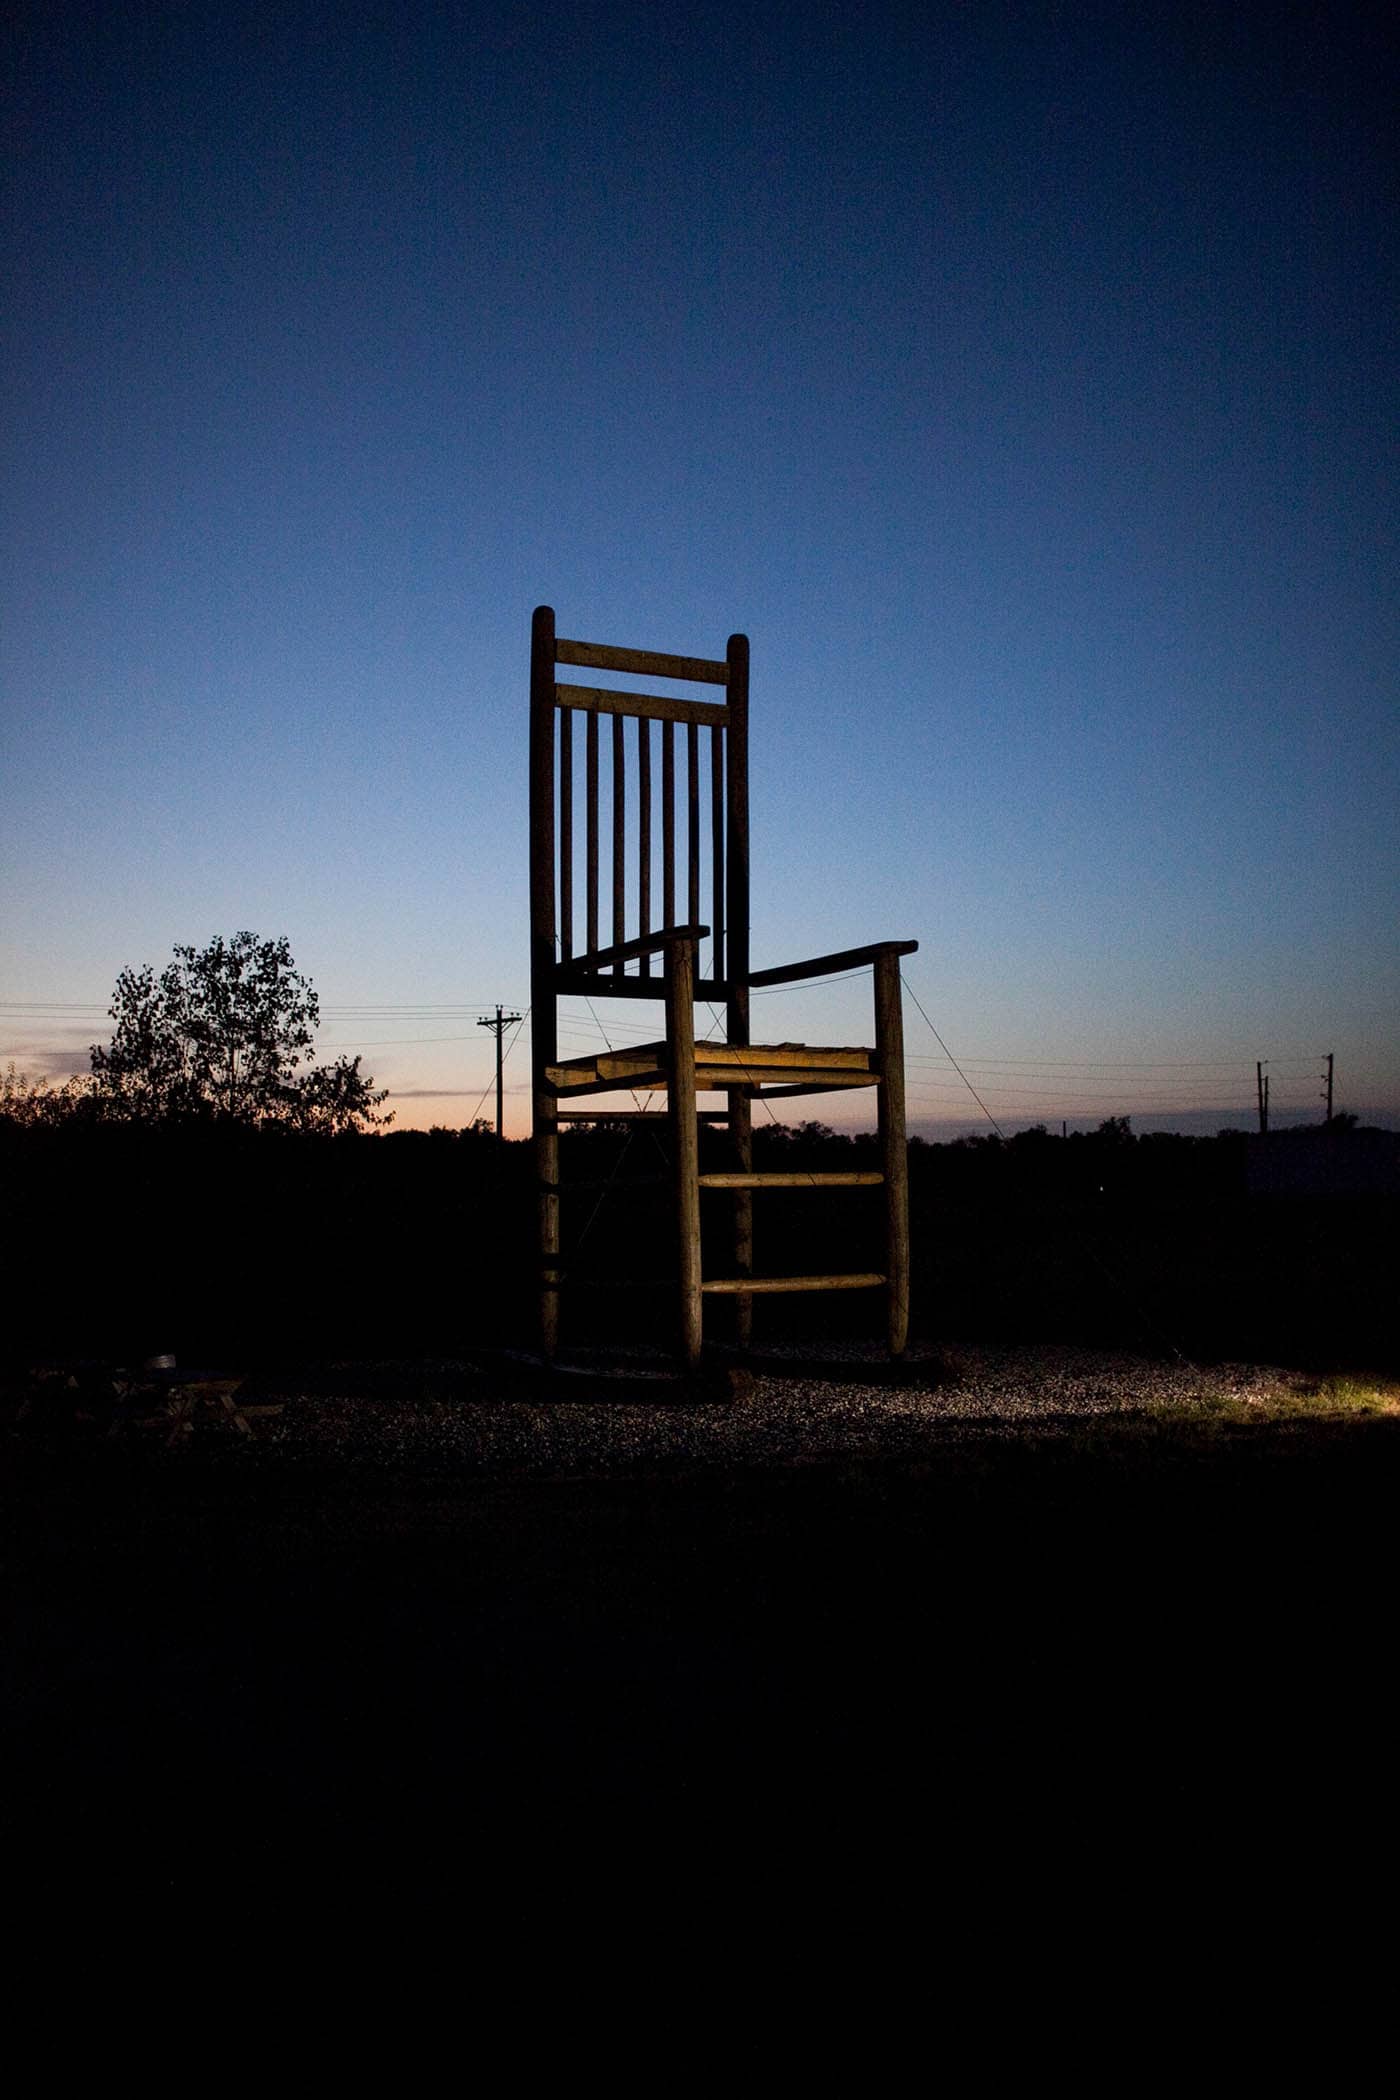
1020	378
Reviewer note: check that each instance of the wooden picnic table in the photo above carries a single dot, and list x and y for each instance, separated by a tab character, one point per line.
216	1395
122	1401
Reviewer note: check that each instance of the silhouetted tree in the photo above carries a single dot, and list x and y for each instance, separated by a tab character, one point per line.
224	1031
1115	1130
33	1104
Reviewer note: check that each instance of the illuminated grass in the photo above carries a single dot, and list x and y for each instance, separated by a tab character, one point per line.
1349	1394
1341	1393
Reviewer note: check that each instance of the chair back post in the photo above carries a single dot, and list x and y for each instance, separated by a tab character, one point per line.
736	960
736	880
543	1023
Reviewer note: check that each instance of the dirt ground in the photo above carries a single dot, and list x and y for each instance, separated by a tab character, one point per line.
238	1663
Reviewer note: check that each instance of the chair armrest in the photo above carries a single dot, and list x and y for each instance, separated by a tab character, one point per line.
628	951
822	965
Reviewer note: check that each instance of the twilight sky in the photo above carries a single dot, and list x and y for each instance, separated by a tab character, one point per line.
1021	379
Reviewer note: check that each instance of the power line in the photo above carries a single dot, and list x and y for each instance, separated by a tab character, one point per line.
88	1009
951	1059
1164	1064
392	1042
814	984
1068	1093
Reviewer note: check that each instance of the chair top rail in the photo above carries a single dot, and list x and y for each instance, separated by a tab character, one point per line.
648	663
656	707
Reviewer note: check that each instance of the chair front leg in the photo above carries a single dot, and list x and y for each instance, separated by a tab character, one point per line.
546	1152
685	1146
894	1150
741	1133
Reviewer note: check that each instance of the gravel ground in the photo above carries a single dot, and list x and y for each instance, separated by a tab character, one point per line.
419	1634
455	1413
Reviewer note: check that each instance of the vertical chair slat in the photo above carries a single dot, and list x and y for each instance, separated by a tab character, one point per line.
644	834
717	850
619	838
566	834
591	788
668	823
692	828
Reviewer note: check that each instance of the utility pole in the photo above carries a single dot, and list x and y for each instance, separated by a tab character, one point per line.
499	1026
1327	1097
1261	1080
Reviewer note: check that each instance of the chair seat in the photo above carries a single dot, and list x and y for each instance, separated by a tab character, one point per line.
719	1068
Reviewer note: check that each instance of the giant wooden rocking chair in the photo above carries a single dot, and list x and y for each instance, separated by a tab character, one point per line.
662	961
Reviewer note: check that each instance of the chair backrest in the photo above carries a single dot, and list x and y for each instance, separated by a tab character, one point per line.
641	827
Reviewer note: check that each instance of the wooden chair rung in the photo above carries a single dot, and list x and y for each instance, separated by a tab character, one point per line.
860	1180
614	1185
634	1115
741	1286
657	707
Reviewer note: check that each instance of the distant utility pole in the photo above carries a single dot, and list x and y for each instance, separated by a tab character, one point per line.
1261	1080
1327	1097
501	1023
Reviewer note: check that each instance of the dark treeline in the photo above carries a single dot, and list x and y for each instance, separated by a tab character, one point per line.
222	1243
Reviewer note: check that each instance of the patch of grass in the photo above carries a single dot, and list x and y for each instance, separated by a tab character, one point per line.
1342	1393
1348	1393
